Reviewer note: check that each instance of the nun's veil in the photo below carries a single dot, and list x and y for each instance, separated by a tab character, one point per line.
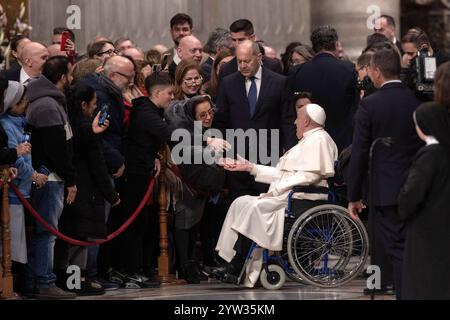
433	120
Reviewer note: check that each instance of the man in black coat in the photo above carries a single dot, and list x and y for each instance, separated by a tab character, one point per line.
147	133
242	30
331	82
254	98
384	120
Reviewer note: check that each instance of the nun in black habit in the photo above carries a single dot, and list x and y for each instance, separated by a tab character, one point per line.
424	204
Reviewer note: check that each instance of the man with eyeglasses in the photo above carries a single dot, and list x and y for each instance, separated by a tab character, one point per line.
109	85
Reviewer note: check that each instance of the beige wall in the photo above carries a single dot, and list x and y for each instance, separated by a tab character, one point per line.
147	21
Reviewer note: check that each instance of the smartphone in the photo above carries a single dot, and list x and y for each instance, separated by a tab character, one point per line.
104	115
26	137
157	68
64	37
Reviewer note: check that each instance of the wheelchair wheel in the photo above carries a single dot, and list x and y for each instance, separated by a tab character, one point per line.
275	279
290	272
327	248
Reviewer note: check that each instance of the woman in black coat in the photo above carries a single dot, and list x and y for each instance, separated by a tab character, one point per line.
200	179
85	218
423	203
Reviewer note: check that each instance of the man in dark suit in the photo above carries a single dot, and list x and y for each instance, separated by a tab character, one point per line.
386	26
387	113
331	82
34	56
254	98
242	30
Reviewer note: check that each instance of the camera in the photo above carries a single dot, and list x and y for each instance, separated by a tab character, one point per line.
104	115
420	76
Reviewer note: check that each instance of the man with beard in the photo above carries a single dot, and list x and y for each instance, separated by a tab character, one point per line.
180	26
51	137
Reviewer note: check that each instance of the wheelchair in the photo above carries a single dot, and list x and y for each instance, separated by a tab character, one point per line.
323	245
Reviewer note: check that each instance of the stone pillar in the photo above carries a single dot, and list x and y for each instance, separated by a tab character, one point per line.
350	18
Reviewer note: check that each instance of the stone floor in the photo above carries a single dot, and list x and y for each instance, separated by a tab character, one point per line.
218	291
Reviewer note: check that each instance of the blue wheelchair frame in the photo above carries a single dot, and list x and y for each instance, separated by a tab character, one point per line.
276	259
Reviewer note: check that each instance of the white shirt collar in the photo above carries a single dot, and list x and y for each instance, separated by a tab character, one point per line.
258	75
430	140
391	81
176	57
310	132
23	76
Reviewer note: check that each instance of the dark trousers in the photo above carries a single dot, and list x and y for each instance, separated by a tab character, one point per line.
378	254
131	242
185	244
392	233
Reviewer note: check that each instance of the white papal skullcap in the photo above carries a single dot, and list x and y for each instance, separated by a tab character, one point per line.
316	113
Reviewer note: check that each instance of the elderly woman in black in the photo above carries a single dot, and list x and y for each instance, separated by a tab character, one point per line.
423	203
200	180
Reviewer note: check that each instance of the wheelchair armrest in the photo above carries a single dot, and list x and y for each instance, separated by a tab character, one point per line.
311	190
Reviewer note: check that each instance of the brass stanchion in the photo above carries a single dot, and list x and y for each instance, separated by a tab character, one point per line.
7	278
163	260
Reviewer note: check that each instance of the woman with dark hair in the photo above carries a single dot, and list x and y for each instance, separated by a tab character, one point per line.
286	56
102	50
199	180
85	218
442	86
213	85
423	204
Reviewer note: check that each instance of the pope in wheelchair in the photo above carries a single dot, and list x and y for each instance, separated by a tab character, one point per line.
261	220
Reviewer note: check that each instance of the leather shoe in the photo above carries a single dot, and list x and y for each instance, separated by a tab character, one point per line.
384	291
220	273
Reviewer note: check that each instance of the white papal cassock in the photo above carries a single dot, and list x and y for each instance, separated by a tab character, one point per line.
309	163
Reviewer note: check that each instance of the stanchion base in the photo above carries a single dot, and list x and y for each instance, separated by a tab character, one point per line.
7	288
169	280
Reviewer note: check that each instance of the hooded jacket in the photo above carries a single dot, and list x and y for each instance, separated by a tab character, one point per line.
51	134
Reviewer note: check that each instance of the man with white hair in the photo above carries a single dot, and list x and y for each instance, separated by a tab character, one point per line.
261	219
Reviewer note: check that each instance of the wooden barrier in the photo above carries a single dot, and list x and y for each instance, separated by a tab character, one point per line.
6	286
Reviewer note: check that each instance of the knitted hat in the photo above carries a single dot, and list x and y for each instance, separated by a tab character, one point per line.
13	94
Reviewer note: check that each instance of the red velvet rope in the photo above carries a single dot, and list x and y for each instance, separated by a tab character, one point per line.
76	242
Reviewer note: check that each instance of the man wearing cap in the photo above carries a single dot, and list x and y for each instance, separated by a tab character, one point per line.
261	219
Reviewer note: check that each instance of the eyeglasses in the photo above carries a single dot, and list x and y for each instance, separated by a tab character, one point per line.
109	52
129	78
195	80
204	115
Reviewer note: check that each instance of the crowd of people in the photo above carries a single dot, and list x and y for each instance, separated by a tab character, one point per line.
85	134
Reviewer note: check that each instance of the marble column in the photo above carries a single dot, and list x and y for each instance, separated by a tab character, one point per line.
350	18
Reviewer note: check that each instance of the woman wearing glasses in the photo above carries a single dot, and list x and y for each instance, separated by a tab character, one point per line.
199	180
188	80
102	50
